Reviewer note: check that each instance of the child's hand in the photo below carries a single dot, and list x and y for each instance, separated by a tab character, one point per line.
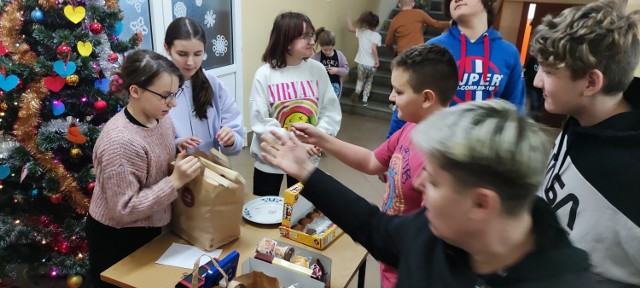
189	142
375	65
288	154
312	150
308	134
226	137
332	70
185	169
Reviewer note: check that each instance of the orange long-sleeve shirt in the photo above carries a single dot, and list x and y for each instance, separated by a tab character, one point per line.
407	28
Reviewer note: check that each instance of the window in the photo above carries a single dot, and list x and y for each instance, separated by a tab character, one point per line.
215	18
137	19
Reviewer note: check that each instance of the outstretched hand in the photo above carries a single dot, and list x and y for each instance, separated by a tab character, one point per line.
309	134
287	153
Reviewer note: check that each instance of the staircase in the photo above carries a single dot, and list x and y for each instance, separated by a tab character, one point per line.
381	88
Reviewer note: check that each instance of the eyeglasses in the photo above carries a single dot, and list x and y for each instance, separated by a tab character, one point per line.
166	98
309	38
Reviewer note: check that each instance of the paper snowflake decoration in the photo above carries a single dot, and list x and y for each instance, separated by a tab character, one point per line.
179	10
209	19
220	45
139	26
199	3
137	4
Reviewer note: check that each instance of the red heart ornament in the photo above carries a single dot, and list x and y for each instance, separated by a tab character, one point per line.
54	83
3	50
55	198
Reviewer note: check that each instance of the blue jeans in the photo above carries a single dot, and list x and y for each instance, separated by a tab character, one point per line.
336	88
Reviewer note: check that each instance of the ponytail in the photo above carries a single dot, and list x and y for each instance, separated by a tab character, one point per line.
202	93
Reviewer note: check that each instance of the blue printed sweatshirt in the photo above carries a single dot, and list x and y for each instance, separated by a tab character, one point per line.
491	58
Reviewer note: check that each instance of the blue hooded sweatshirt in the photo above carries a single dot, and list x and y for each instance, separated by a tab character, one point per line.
490	58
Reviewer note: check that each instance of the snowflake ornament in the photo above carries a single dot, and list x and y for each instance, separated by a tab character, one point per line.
138	26
179	10
199	3
209	19
137	4
220	45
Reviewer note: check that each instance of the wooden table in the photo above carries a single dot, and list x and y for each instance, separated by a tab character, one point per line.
139	268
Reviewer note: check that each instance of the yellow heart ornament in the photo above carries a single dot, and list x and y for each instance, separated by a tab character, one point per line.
75	14
85	48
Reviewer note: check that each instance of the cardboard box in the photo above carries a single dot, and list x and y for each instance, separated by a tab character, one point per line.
285	277
297	207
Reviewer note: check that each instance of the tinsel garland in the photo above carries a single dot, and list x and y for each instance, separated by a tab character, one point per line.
25	127
104	49
10	24
29	119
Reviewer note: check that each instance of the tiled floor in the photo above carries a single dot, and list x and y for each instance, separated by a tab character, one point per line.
359	130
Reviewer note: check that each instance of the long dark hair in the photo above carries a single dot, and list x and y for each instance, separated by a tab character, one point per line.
142	67
184	28
287	27
487	4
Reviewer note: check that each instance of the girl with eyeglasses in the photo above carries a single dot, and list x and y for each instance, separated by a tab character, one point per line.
288	89
206	115
367	57
132	198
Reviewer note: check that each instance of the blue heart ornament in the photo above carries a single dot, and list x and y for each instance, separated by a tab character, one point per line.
63	71
102	84
4	171
117	28
58	108
9	82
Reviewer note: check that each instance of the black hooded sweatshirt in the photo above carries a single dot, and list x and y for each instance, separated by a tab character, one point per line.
424	260
593	184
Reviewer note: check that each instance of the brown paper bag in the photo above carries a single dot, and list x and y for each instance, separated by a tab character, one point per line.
215	156
208	211
254	279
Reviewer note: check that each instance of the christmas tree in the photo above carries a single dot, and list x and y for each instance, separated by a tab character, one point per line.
56	61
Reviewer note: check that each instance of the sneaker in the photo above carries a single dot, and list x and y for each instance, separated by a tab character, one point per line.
365	104
354	97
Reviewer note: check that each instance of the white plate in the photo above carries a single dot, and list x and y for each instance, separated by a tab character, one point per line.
264	210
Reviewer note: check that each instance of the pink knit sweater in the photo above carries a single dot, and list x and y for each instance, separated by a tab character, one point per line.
132	167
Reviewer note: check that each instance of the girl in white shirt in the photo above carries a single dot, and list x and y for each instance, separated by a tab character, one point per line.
367	57
288	89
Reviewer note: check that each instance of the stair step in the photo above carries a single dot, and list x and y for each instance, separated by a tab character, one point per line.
435	6
374	109
438	15
385	24
382	77
394	12
378	93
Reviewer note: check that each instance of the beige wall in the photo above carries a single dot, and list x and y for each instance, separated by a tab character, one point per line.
634	5
258	16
